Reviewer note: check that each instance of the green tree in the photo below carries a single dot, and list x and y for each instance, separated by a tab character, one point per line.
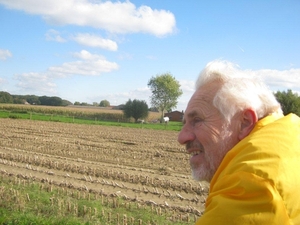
127	109
32	99
104	103
66	102
52	101
290	102
137	109
19	100
165	92
5	97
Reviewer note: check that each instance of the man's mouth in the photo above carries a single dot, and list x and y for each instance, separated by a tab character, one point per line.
194	149
194	153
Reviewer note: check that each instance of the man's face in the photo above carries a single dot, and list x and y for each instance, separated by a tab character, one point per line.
206	134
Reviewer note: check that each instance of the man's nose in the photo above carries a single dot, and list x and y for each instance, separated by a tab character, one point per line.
185	135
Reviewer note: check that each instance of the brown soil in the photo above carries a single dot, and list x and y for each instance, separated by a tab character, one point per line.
136	164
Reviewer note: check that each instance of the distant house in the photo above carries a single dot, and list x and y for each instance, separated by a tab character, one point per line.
120	107
175	116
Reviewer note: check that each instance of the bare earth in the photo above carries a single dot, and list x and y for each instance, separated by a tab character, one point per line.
137	164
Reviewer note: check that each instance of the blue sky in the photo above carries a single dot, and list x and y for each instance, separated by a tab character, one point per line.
91	50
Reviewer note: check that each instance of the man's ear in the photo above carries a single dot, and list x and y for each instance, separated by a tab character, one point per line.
248	121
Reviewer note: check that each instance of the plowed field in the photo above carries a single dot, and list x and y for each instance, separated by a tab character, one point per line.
139	165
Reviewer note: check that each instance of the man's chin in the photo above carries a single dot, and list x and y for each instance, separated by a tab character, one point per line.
197	176
201	175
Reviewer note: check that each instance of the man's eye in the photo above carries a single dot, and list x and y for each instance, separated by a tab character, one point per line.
197	121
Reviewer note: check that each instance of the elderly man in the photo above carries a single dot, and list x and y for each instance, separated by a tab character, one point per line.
242	144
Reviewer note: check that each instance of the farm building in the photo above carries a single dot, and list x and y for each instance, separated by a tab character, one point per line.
175	116
120	107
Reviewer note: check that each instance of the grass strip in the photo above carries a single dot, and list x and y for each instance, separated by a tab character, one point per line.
174	126
28	202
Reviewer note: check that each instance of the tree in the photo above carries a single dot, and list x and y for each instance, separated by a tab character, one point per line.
19	100
137	109
290	102
127	109
66	102
104	103
5	97
52	101
165	92
32	99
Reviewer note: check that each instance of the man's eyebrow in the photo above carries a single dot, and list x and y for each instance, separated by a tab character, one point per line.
190	115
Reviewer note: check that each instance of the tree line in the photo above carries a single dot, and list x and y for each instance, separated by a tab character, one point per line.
289	101
6	97
165	92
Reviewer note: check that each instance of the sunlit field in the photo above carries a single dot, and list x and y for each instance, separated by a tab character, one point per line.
68	173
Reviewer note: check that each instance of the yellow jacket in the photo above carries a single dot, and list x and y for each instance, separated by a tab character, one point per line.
258	181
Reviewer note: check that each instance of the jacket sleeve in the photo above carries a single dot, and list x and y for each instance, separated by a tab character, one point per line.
244	198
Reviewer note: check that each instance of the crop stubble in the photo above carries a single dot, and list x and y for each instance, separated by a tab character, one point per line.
141	165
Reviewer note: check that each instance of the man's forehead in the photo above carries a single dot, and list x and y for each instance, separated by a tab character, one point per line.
201	101
205	94
195	106
201	96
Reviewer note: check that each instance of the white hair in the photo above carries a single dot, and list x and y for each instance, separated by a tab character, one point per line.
238	90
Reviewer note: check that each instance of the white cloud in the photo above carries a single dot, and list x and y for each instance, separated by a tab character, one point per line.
96	41
4	54
88	68
85	55
187	86
43	83
83	39
53	35
289	78
122	97
115	17
88	65
279	79
2	80
37	83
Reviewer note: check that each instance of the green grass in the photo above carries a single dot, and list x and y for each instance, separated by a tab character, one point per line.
175	126
17	218
27	202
